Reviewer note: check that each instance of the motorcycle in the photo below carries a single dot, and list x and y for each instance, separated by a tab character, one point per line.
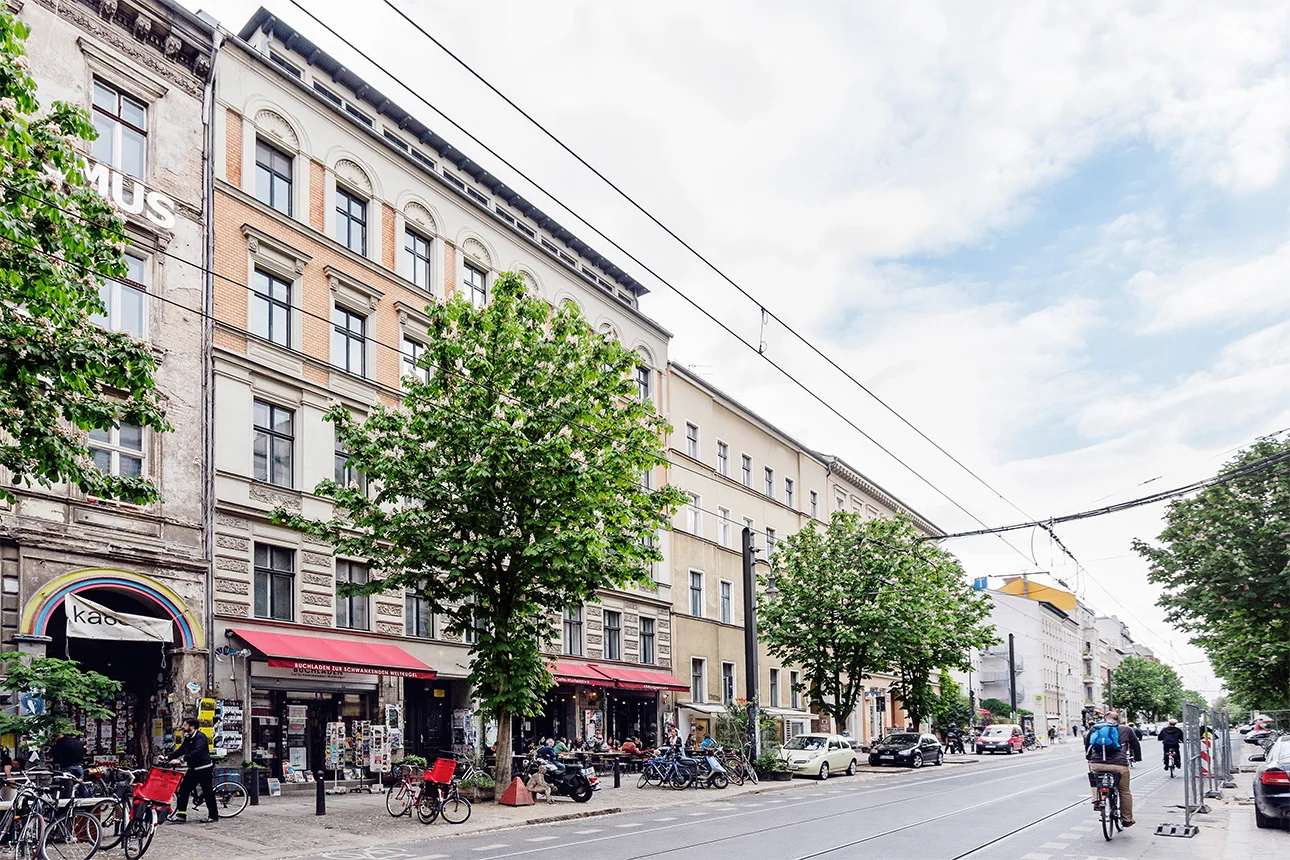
572	781
954	744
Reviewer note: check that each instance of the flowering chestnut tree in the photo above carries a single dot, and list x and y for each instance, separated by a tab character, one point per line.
61	375
506	487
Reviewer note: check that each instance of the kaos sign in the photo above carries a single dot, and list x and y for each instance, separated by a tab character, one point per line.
111	185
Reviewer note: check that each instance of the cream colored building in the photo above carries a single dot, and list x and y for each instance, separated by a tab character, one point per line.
740	470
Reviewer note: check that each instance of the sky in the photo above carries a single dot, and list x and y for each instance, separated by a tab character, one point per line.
1051	236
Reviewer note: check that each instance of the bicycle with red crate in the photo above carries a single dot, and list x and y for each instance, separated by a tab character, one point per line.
132	818
438	794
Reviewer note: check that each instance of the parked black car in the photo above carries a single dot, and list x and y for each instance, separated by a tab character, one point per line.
907	748
1272	784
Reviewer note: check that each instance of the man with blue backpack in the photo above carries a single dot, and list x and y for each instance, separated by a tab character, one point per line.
1108	746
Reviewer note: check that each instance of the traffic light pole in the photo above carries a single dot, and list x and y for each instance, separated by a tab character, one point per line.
750	642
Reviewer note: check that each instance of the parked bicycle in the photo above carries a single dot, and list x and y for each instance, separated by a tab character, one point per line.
1031	743
739	768
1108	800
22	829
71	833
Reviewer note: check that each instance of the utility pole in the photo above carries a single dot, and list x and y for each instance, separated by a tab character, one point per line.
1012	674
750	641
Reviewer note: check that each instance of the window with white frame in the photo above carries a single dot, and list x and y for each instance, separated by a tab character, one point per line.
788	492
477	624
723	459
416	253
647	641
774	688
696	594
748	524
122	124
573	632
271	308
723	527
841	503
769	487
125	300
727	683
273	177
815	504
346	473
275	582
726	608
793	700
698	680
770	540
118	450
643	378
692	441
349	340
410	354
274	444
747	470
351	609
418	620
351	220
694	515
476	285
613	635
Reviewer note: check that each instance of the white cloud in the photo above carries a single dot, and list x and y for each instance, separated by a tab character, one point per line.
1209	290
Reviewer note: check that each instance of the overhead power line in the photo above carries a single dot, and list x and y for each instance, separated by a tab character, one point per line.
635	259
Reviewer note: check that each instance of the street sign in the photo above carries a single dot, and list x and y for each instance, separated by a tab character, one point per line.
980	583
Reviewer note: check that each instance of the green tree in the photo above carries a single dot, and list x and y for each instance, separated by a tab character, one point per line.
952	705
509	485
1222	562
62	684
60	374
997	707
1145	689
1191	697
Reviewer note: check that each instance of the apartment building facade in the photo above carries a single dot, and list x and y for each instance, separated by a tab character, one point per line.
339	217
741	471
141	69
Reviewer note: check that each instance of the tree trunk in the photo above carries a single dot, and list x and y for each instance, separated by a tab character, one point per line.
504	752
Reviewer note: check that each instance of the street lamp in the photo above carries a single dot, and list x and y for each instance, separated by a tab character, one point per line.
750	636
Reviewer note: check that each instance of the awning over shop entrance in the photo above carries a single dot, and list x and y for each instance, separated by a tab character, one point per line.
642	679
335	656
566	672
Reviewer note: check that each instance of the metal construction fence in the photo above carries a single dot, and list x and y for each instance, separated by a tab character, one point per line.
1208	763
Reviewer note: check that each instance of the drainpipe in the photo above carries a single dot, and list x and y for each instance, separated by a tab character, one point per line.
208	338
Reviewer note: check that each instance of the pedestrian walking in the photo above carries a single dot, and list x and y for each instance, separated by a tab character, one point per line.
196	751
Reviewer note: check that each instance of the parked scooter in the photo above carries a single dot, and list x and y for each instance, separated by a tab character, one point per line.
572	781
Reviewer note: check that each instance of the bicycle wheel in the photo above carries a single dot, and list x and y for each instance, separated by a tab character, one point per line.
111	816
455	809
398	800
681	778
138	836
1108	829
29	838
750	773
230	798
72	837
734	771
1115	809
427	808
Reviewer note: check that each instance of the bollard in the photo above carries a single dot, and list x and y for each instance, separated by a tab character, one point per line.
321	796
254	788
618	774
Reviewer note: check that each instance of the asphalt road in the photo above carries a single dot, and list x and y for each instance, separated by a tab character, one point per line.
1035	806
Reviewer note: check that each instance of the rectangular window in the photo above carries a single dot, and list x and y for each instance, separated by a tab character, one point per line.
118	450
770	540
274	445
769	489
698	681
723	459
696	594
275	582
694	515
454	180
747	470
723	527
573	632
418	620
351	221
273	177
841	503
347	475
359	115
476	286
774	688
289	67
477	624
122	124
125	300
643	377
271	309
647	641
416	249
726	589
328	94
351	610
396	140
613	635
788	492
748	524
792	691
349	341
815	504
692	441
727	683
410	353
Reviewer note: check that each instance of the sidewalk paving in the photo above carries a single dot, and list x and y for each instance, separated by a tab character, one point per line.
283	827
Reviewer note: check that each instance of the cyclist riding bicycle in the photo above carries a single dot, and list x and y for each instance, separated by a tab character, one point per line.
1170	738
1109	746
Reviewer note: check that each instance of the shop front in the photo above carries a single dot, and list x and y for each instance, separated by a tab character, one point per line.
316	704
608	701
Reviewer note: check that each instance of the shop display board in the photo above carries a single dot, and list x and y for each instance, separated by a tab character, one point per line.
206	718
228	727
394	723
335	752
379	760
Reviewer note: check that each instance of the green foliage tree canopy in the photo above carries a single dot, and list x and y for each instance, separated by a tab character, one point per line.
60	374
508	485
63	685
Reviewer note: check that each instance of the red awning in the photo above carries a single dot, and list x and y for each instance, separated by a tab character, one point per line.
578	673
335	656
642	679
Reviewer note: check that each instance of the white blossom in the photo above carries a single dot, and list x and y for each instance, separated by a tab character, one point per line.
8	106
